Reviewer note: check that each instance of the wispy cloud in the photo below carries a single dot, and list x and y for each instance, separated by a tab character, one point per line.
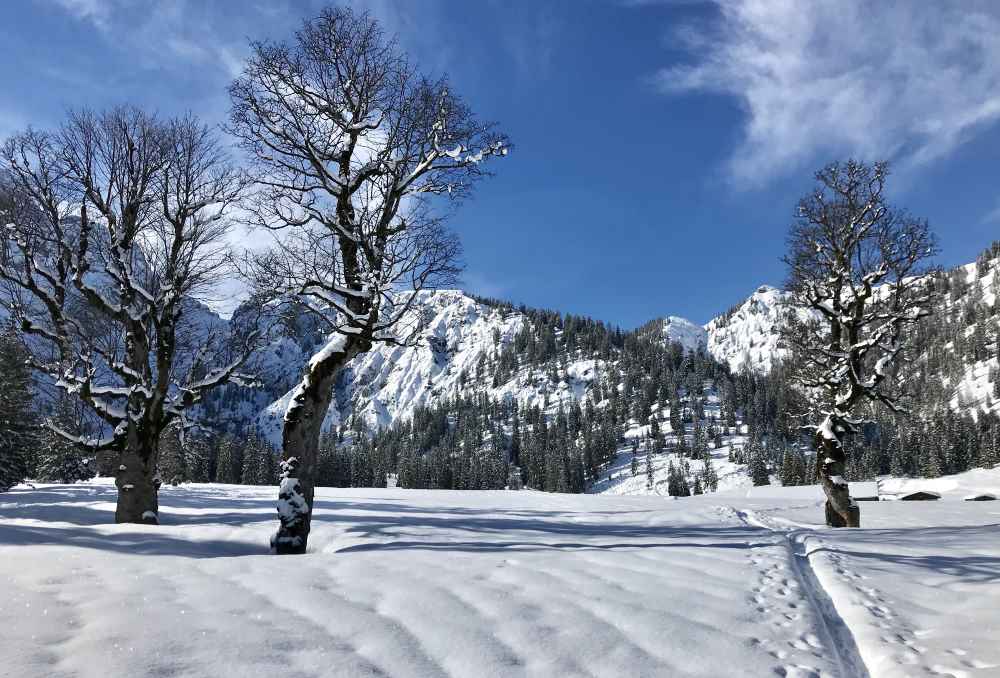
186	31
531	39
483	285
908	81
97	12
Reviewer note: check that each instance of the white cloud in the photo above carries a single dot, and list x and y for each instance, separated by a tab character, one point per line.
97	12
910	81
188	31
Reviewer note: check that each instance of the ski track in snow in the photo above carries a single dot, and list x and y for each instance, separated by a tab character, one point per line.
451	584
790	599
861	624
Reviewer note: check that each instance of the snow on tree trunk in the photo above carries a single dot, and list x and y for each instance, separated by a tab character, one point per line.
841	510
138	484
300	445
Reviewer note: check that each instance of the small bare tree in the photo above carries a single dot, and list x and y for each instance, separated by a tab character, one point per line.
115	228
354	152
859	264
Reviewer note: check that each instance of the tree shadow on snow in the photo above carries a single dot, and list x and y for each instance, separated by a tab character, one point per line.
401	530
495	546
144	541
971	564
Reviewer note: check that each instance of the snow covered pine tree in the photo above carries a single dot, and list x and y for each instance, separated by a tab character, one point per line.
353	151
858	264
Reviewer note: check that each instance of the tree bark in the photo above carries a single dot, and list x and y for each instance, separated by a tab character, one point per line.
138	484
841	510
300	449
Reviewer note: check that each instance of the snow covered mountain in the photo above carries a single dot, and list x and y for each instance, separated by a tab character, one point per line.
455	353
747	335
956	350
459	352
962	348
684	332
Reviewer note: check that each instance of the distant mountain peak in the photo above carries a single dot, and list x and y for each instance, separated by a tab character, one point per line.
684	332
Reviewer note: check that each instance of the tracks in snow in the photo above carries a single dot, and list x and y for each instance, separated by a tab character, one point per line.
788	593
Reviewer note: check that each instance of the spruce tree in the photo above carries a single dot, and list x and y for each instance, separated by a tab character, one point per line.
252	462
710	474
758	467
60	461
18	429
173	462
229	467
677	484
930	464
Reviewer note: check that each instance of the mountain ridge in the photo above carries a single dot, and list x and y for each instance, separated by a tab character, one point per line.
463	337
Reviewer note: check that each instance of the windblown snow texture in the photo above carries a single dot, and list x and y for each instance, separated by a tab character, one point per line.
493	583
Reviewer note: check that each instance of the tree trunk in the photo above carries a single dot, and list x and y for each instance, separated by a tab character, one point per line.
137	482
300	449
841	510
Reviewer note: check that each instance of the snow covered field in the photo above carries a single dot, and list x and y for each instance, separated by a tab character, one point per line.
427	583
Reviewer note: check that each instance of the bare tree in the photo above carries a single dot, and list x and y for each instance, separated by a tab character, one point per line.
355	154
116	226
858	263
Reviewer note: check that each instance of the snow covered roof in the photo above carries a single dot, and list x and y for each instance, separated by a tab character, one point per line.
920	495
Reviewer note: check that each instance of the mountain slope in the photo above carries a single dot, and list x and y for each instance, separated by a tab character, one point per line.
747	336
954	360
457	351
684	332
483	379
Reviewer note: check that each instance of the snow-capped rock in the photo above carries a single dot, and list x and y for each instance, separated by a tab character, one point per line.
748	335
684	332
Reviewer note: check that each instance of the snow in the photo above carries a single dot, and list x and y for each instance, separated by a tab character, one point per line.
334	346
389	382
620	481
954	487
810	492
918	586
684	332
434	583
749	337
291	503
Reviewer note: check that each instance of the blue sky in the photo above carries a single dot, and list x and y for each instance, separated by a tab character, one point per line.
661	145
